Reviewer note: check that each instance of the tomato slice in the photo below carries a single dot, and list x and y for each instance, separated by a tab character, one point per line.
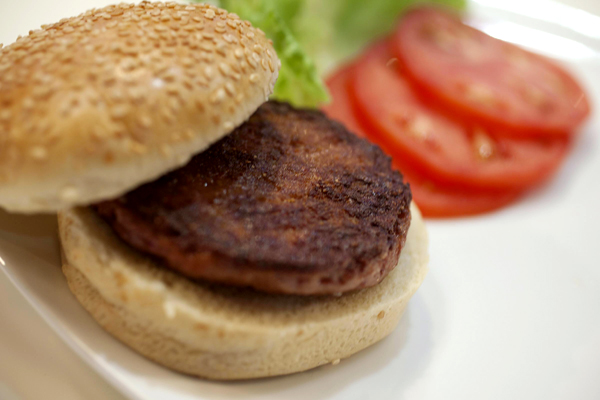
433	200
340	107
485	81
405	126
437	201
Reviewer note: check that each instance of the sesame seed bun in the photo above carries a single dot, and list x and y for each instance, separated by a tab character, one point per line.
93	106
220	332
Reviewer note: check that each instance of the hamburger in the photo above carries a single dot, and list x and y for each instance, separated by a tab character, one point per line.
211	230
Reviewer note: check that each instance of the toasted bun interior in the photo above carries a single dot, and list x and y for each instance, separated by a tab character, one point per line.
220	332
95	105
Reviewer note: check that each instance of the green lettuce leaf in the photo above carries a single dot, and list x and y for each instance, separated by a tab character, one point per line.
336	30
299	82
311	37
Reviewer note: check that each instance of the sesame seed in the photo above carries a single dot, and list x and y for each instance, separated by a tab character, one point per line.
238	53
218	96
221	48
200	81
229	88
206	47
168	115
225	69
173	88
199	104
209	14
168	51
230	38
228	126
253	78
234	66
239	98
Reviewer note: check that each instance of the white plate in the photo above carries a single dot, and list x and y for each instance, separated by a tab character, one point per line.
510	309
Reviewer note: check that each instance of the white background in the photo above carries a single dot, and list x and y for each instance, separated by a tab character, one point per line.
34	362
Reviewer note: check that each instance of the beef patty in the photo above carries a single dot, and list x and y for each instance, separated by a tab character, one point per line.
290	202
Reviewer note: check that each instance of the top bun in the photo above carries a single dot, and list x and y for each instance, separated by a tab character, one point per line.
93	106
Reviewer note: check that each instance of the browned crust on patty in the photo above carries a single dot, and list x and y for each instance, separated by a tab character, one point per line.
290	202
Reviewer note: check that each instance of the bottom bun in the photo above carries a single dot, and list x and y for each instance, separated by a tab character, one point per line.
220	332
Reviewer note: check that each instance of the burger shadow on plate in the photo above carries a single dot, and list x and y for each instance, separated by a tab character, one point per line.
36	234
392	364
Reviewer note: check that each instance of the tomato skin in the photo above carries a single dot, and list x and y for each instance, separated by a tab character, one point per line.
437	201
484	81
436	146
340	108
433	200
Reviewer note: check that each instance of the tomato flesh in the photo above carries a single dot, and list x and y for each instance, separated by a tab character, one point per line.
436	146
437	201
340	108
485	81
433	200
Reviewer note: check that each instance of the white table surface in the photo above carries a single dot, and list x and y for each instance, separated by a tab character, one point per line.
34	362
